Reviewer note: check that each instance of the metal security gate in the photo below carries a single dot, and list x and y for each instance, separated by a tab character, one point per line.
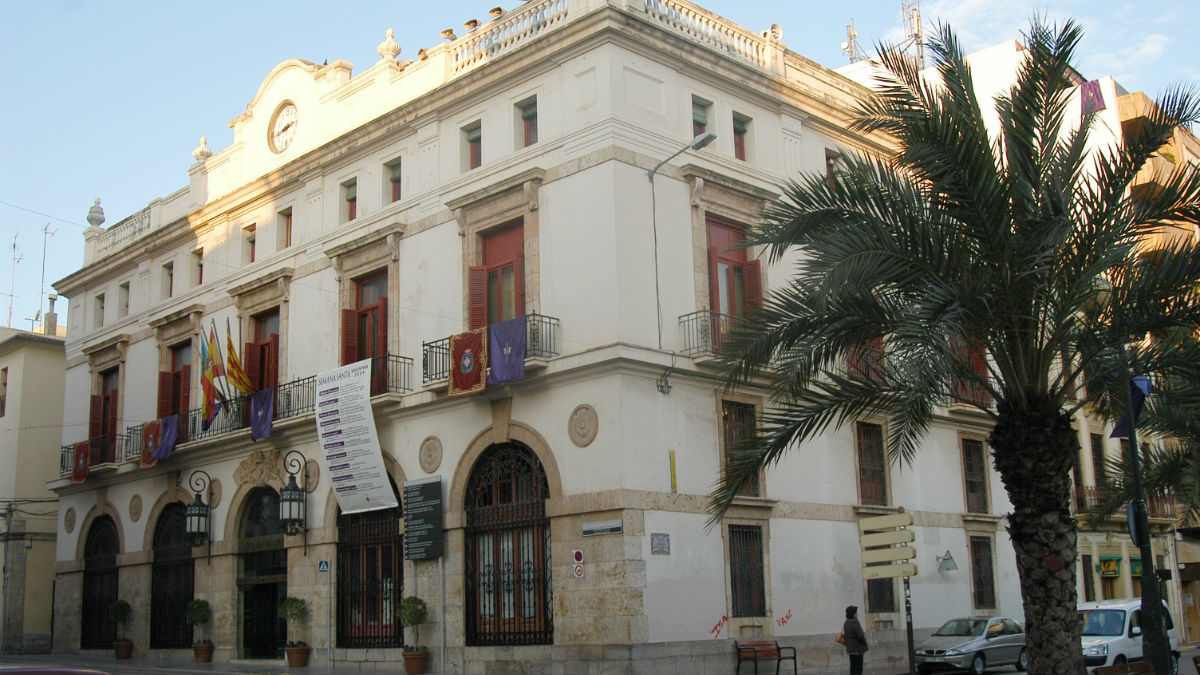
171	581
100	578
262	579
370	579
507	559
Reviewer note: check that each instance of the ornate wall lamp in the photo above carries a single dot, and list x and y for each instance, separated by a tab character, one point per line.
293	497
198	516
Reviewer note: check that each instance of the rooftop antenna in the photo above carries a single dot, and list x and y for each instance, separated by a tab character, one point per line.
12	287
851	46
914	40
47	234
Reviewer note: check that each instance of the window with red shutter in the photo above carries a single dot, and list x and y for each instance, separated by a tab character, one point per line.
496	289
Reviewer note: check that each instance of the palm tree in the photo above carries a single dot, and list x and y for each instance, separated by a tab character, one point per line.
1022	246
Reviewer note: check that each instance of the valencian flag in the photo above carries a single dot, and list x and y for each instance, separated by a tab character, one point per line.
151	436
170	435
506	351
81	462
233	366
262	413
468	362
1139	389
1091	98
208	384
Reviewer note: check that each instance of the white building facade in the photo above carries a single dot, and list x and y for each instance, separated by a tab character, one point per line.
502	174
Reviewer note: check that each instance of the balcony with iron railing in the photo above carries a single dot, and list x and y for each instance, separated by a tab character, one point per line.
292	399
541	342
705	332
1088	499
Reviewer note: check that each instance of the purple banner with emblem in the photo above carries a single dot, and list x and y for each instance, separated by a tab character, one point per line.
262	413
506	351
169	436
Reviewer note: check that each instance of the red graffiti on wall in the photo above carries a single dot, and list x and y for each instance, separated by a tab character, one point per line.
786	618
716	630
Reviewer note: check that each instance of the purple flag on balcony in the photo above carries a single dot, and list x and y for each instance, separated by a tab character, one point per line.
506	350
1139	389
1091	98
262	413
169	436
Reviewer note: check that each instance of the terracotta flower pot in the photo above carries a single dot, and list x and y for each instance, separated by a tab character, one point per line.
297	657
123	649
203	651
414	662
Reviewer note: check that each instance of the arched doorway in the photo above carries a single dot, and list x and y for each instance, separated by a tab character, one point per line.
171	581
100	585
507	558
262	576
370	577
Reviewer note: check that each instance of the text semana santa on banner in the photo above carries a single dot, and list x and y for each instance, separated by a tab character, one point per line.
349	442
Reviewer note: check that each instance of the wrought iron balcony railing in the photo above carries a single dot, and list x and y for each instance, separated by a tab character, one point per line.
704	332
292	399
1088	499
541	342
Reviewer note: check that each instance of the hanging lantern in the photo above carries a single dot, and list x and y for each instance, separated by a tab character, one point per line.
291	506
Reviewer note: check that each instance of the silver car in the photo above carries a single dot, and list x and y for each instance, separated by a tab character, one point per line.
974	645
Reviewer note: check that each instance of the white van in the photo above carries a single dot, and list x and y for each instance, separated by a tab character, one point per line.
1112	633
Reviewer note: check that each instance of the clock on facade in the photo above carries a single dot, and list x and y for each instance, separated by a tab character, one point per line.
283	127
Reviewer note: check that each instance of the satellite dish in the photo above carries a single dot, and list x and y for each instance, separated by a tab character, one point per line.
845	45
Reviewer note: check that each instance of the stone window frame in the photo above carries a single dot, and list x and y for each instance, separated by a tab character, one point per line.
514	199
103	357
729	200
267	292
378	250
755	625
758	405
987	476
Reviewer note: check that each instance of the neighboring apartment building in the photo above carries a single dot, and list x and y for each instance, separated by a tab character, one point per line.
510	172
31	394
1109	564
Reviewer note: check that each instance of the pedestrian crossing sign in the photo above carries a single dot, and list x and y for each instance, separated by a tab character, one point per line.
322	566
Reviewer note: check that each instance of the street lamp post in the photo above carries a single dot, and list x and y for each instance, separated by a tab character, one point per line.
198	515
696	143
292	498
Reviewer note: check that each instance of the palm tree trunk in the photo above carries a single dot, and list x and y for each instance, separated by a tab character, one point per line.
1034	448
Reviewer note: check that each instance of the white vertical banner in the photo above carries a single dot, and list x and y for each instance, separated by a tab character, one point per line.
349	442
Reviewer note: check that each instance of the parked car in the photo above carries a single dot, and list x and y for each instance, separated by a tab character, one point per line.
973	644
1112	633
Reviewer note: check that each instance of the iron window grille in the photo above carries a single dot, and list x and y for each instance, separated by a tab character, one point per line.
746	586
100	585
370	579
171	581
507	559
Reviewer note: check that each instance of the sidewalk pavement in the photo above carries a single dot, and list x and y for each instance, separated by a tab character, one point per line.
110	664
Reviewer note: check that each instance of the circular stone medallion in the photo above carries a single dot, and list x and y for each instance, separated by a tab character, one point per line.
135	508
583	425
431	454
69	521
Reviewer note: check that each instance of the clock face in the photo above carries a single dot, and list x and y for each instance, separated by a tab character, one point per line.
283	127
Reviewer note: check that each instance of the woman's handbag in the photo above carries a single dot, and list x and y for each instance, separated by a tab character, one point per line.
840	639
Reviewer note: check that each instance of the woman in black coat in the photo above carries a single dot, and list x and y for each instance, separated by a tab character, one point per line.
856	640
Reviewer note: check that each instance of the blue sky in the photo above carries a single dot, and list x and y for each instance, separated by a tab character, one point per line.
108	99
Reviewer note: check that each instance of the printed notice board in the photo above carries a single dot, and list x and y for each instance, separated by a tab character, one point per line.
423	518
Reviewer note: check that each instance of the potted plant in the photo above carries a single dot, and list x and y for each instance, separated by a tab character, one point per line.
295	610
412	612
199	614
120	611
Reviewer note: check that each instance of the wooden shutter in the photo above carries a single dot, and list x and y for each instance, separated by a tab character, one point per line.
271	358
185	389
164	394
752	277
477	297
379	371
254	364
96	417
112	410
349	336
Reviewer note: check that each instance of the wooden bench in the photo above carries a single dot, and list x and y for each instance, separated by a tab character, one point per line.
1126	669
764	650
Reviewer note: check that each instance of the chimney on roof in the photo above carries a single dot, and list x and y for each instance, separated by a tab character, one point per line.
50	321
